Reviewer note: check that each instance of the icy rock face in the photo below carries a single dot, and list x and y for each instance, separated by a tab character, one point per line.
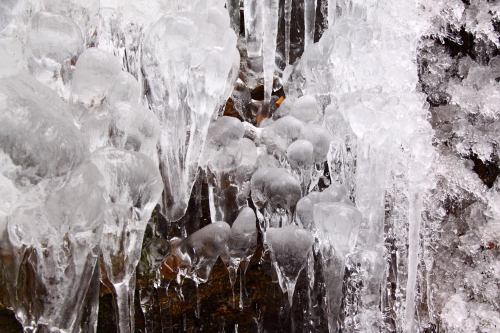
275	193
241	246
194	256
194	53
53	203
52	47
289	247
134	186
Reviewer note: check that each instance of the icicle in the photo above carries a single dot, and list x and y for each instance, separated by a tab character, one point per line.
309	22
233	7
414	216
146	297
254	29
288	17
269	49
332	11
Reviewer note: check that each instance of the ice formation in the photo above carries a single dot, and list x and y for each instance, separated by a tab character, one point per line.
345	150
187	74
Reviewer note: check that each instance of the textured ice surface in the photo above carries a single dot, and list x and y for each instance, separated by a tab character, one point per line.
281	133
62	238
289	247
222	156
53	200
37	131
124	125
95	72
187	62
222	151
83	12
53	44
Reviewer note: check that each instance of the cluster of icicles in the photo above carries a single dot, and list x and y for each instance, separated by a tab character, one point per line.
89	149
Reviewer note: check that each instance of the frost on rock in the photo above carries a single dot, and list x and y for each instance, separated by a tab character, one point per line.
187	62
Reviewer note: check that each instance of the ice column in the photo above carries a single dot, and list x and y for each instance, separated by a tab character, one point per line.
422	153
187	61
52	206
221	158
233	7
241	246
134	186
288	17
309	22
289	247
270	17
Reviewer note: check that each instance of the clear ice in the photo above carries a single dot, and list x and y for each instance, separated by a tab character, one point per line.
346	150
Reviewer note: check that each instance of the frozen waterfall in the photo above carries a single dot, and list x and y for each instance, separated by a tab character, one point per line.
341	158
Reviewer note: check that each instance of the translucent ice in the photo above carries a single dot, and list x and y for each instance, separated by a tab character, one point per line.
222	149
83	12
338	225
194	256
52	47
187	62
53	200
223	155
61	238
95	72
134	185
241	246
123	125
306	109
275	193
289	247
281	133
126	88
300	157
37	131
